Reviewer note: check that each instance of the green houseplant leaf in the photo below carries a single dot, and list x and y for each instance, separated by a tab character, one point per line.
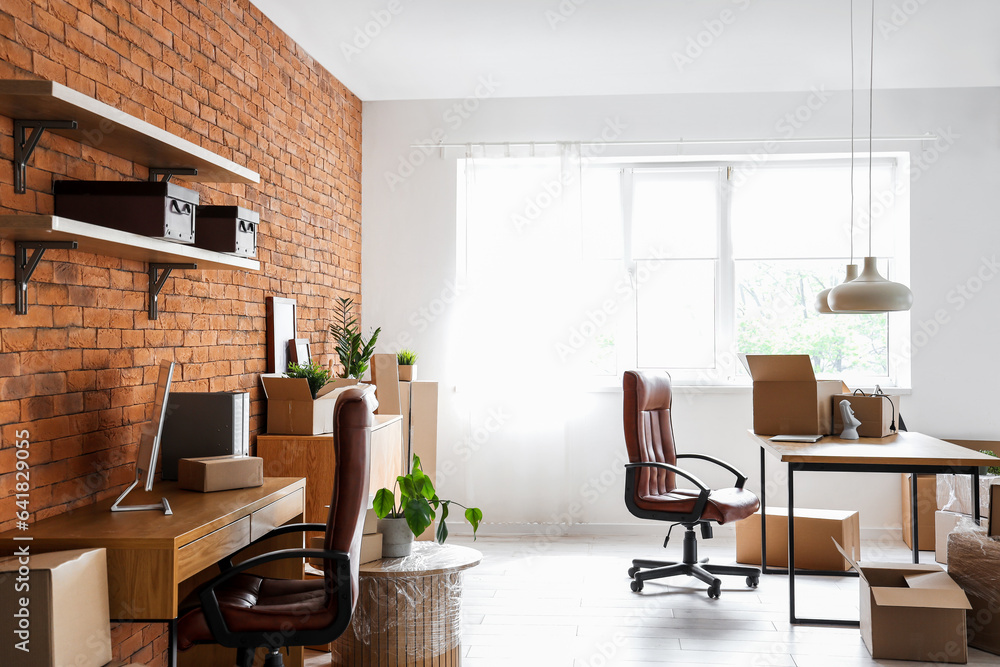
352	349
384	503
442	529
418	515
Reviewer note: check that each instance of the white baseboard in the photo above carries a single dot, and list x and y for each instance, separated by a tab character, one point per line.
651	528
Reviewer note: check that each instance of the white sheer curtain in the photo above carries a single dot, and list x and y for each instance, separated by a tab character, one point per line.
525	292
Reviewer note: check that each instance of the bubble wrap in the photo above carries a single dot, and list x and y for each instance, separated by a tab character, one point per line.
954	493
974	563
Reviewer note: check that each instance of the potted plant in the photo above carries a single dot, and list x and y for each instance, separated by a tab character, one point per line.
354	351
402	519
317	376
407	362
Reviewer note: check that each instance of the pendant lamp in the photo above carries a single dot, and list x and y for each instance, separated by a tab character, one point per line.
822	304
870	292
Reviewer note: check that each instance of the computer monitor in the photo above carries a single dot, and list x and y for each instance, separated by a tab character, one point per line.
149	445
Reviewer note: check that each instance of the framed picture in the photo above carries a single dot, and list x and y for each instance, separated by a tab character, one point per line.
280	329
298	351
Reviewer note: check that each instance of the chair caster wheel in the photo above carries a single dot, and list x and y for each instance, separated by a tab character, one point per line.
636	586
631	571
753	580
715	590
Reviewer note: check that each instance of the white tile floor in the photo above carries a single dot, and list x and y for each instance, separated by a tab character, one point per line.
566	602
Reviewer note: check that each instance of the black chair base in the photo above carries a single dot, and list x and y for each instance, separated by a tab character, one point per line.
644	570
245	658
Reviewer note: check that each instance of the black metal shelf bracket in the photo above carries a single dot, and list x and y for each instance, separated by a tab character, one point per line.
24	145
168	172
25	265
156	280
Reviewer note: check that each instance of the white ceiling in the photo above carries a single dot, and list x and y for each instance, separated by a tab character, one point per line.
440	49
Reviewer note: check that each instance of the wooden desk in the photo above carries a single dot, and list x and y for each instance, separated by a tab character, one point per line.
155	559
903	452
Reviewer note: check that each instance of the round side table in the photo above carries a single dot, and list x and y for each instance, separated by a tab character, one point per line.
409	610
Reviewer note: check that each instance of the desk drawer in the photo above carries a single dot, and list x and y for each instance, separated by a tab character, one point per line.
277	513
195	557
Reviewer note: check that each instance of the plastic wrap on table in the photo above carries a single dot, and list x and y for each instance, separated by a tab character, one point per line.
974	563
954	493
409	610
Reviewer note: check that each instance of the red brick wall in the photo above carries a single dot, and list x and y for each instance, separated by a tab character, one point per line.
76	372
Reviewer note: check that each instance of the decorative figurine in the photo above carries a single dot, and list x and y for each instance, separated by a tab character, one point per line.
851	422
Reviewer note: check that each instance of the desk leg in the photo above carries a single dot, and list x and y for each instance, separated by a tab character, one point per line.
975	494
763	512
791	544
172	643
914	516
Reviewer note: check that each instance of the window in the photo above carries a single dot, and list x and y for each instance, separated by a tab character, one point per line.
684	265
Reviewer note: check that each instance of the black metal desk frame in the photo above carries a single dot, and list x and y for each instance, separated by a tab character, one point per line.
794	467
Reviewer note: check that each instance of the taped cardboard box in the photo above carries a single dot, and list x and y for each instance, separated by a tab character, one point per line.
787	397
877	414
68	606
911	612
813	532
220	473
974	562
926	505
945	523
292	410
954	493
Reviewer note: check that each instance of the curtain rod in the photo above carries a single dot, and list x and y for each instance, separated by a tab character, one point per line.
676	142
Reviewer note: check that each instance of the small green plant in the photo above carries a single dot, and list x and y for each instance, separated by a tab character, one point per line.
992	470
417	504
316	374
354	351
406	357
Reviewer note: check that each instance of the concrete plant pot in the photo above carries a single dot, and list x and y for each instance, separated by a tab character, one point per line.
397	538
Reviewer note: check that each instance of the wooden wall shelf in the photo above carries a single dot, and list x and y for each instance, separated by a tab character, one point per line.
103	127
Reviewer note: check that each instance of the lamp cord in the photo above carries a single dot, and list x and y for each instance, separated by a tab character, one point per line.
852	131
871	96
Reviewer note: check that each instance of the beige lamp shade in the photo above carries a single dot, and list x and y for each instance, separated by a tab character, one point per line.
870	293
822	299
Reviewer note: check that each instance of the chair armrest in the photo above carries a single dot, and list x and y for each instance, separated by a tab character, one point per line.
741	479
674	469
227	562
210	602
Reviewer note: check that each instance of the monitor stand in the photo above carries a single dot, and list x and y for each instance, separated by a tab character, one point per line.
162	505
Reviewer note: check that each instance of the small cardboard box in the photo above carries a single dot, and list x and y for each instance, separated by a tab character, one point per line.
877	414
945	523
291	409
787	397
911	612
813	531
993	525
926	505
69	618
220	473
974	561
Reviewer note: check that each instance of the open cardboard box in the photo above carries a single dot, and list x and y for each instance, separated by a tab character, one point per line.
787	397
291	409
911	611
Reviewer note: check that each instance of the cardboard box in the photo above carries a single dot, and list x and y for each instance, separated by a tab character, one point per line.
813	531
911	612
877	414
993	523
291	409
945	523
954	493
974	562
787	397
926	505
220	473
371	523
68	610
371	549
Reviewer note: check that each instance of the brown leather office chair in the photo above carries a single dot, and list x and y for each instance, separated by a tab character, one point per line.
246	611
651	490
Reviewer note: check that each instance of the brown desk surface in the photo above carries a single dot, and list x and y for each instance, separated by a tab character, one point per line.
903	448
194	515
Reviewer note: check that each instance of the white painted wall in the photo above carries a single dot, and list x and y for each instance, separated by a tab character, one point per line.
408	268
